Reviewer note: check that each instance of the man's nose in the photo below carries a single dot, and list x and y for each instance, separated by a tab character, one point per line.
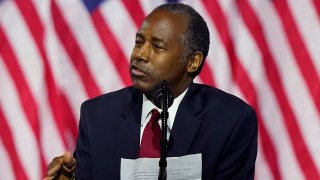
143	53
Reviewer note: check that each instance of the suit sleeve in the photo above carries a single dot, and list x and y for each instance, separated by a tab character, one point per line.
238	158
82	153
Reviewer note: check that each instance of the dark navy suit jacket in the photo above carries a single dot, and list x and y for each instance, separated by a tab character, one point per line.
209	121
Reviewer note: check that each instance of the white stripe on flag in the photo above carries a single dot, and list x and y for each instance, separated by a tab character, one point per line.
124	32
217	56
23	136
298	95
262	171
64	72
148	5
83	30
31	65
250	57
309	25
7	171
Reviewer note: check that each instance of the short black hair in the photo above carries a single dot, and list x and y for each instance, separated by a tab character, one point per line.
197	36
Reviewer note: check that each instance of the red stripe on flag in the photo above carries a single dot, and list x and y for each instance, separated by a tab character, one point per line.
268	147
28	103
246	86
67	118
300	51
74	51
135	10
7	139
56	98
112	47
250	93
316	4
299	146
206	74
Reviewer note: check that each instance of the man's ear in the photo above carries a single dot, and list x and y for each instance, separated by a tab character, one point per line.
194	62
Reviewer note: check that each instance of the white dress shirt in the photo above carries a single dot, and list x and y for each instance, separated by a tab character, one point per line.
147	106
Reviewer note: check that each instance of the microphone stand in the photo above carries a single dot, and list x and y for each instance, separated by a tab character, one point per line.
164	141
163	99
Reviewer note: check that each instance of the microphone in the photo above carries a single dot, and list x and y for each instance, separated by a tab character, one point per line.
160	93
163	99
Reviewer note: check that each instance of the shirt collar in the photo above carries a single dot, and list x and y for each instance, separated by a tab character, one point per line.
147	106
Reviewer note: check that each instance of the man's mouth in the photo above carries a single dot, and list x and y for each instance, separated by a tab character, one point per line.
138	71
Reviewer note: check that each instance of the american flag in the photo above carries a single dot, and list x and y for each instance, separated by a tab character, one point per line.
54	54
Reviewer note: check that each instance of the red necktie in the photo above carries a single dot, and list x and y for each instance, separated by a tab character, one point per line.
150	142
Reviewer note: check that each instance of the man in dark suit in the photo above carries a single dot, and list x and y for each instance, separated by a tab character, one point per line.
171	45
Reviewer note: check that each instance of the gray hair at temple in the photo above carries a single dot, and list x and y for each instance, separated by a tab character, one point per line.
197	37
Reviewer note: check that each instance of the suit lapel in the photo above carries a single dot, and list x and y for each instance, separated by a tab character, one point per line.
129	129
183	132
186	123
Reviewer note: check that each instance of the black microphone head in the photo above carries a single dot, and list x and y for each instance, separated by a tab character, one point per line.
159	93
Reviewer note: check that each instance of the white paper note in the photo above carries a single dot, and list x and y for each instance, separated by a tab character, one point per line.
185	167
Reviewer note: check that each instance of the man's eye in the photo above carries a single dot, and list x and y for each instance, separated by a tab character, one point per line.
138	42
158	46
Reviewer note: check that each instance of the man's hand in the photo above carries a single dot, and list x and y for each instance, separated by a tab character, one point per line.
61	168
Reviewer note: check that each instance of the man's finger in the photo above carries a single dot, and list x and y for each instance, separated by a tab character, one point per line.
69	169
67	157
69	163
54	167
53	171
61	167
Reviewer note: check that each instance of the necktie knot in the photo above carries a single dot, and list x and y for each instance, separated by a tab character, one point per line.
155	115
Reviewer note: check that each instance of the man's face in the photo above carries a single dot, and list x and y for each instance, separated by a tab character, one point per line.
157	54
